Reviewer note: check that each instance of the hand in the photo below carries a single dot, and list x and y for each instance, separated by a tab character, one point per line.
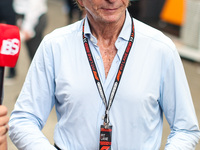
3	124
25	36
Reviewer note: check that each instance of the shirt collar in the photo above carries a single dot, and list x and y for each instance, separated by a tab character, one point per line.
124	34
87	28
127	27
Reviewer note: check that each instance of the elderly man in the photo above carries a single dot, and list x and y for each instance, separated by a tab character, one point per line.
111	78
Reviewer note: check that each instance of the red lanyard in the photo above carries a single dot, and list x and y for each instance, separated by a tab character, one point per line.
118	76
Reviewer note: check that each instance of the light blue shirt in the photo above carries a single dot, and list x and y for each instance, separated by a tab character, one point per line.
153	83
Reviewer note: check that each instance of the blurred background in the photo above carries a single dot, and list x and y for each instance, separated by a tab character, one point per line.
178	19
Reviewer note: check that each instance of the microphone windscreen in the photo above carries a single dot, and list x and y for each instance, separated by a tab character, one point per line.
9	45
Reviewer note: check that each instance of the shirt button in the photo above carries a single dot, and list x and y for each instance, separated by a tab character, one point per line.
98	57
91	39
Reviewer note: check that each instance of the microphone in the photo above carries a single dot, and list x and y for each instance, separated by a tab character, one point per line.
9	50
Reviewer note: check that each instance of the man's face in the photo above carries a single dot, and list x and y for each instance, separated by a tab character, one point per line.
106	11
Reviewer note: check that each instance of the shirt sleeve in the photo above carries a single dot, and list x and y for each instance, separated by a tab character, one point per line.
26	134
34	104
177	105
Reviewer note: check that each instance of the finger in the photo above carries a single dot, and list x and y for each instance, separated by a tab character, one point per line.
3	139
4	120
3	110
4	130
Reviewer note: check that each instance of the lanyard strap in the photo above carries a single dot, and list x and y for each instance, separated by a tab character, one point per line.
118	76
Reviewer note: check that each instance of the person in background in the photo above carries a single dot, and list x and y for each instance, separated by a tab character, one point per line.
3	127
7	14
105	73
32	21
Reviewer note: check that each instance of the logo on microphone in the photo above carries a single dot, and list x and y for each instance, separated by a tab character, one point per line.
10	46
